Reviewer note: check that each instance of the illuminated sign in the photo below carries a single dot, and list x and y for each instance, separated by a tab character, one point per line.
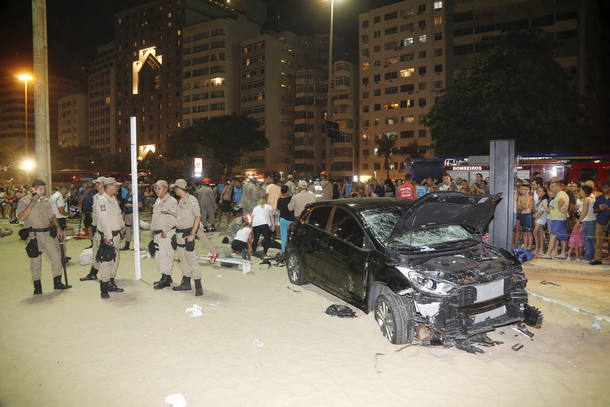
145	149
469	168
197	167
148	56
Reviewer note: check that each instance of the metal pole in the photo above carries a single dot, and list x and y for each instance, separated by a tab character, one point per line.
502	175
134	197
330	81
41	90
25	98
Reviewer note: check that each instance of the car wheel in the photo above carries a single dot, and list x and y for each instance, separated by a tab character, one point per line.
295	269
394	315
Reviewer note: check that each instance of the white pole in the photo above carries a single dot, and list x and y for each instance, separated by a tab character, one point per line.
134	198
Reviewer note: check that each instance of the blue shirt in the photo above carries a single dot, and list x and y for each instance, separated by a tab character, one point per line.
236	194
128	200
602	216
348	190
421	190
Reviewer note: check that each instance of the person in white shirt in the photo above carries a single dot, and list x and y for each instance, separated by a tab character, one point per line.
59	205
243	238
262	224
300	200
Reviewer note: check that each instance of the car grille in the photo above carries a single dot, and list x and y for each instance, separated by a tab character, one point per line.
474	294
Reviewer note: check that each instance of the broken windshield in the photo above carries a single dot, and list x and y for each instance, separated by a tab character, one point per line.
383	221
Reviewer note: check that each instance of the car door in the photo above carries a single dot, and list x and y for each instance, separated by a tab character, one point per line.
346	257
314	232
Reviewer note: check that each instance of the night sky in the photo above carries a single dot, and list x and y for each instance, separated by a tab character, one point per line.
77	27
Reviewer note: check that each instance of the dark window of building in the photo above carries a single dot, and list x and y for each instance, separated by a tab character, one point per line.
365	109
487	28
376	48
377	92
391	75
391	30
377	77
438	52
377	107
438	84
438	36
422	54
391	90
422	102
464	16
515	25
422	133
438	68
407	134
543	21
462	31
365	23
390	16
421	70
421	8
407	88
463	49
377	166
389	45
406	57
376	34
376	19
421	86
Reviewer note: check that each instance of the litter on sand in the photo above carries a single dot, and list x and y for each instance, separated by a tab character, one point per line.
544	282
596	325
194	311
516	347
341	311
524	331
176	400
258	343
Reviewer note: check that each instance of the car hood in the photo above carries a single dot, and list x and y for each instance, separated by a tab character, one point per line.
449	208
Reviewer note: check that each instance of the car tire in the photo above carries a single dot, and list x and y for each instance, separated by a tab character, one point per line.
294	267
394	316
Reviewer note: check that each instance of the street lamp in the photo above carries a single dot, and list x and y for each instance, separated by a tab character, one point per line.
25	78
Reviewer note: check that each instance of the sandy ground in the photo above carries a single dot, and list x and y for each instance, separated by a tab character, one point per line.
73	349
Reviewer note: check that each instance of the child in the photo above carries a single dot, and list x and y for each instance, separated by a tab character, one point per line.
576	242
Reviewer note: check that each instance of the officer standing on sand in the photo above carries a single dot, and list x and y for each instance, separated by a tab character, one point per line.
95	237
128	217
163	229
109	226
187	225
43	235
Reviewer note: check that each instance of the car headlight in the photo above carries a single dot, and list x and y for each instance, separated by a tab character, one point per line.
428	285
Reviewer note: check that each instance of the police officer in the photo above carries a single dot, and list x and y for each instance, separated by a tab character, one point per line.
163	229
95	237
187	225
128	217
43	235
109	227
207	203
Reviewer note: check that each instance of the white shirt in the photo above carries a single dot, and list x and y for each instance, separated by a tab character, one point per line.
261	215
243	234
590	214
57	201
273	192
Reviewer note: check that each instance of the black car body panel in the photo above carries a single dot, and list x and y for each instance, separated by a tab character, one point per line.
459	289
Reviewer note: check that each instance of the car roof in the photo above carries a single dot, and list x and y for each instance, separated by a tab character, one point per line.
362	204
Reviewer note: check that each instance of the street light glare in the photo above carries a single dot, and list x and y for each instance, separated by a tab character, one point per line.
28	164
25	77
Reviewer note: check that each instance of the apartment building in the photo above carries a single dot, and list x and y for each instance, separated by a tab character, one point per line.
268	67
102	100
402	54
149	70
72	120
212	67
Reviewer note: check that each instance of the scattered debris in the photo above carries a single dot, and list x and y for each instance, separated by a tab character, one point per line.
219	275
404	347
176	400
5	232
258	343
532	316
292	289
524	331
596	325
195	311
516	347
544	282
376	357
341	311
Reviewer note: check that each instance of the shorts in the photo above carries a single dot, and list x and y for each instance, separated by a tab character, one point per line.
559	228
238	245
226	206
527	222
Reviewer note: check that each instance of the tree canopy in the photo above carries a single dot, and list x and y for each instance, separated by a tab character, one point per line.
514	89
221	140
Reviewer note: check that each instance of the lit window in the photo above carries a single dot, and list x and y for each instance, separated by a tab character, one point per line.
438	5
366	66
405	73
423	38
438	20
406	41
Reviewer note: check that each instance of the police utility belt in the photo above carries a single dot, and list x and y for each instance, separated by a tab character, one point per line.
188	246
106	252
31	248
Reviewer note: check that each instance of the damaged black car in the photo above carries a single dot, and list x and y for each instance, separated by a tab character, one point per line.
420	266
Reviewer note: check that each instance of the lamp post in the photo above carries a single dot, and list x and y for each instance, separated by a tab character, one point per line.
25	78
330	81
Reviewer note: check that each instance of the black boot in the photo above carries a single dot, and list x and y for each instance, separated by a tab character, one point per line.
104	290
212	228
37	287
126	247
198	288
91	276
184	286
166	281
113	287
58	285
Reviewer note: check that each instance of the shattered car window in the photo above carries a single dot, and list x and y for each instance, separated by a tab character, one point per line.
432	236
382	221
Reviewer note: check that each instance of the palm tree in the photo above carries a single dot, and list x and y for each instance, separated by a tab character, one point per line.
385	148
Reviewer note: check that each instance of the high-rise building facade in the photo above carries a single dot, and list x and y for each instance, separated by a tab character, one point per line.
268	66
102	100
212	67
72	120
149	71
402	53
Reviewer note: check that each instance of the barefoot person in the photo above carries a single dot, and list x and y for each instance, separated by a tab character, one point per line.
163	228
109	226
559	224
188	218
35	211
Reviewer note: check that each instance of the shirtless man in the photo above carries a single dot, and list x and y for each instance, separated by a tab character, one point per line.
525	208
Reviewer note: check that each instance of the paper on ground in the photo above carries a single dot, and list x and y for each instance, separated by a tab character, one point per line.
176	400
195	311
